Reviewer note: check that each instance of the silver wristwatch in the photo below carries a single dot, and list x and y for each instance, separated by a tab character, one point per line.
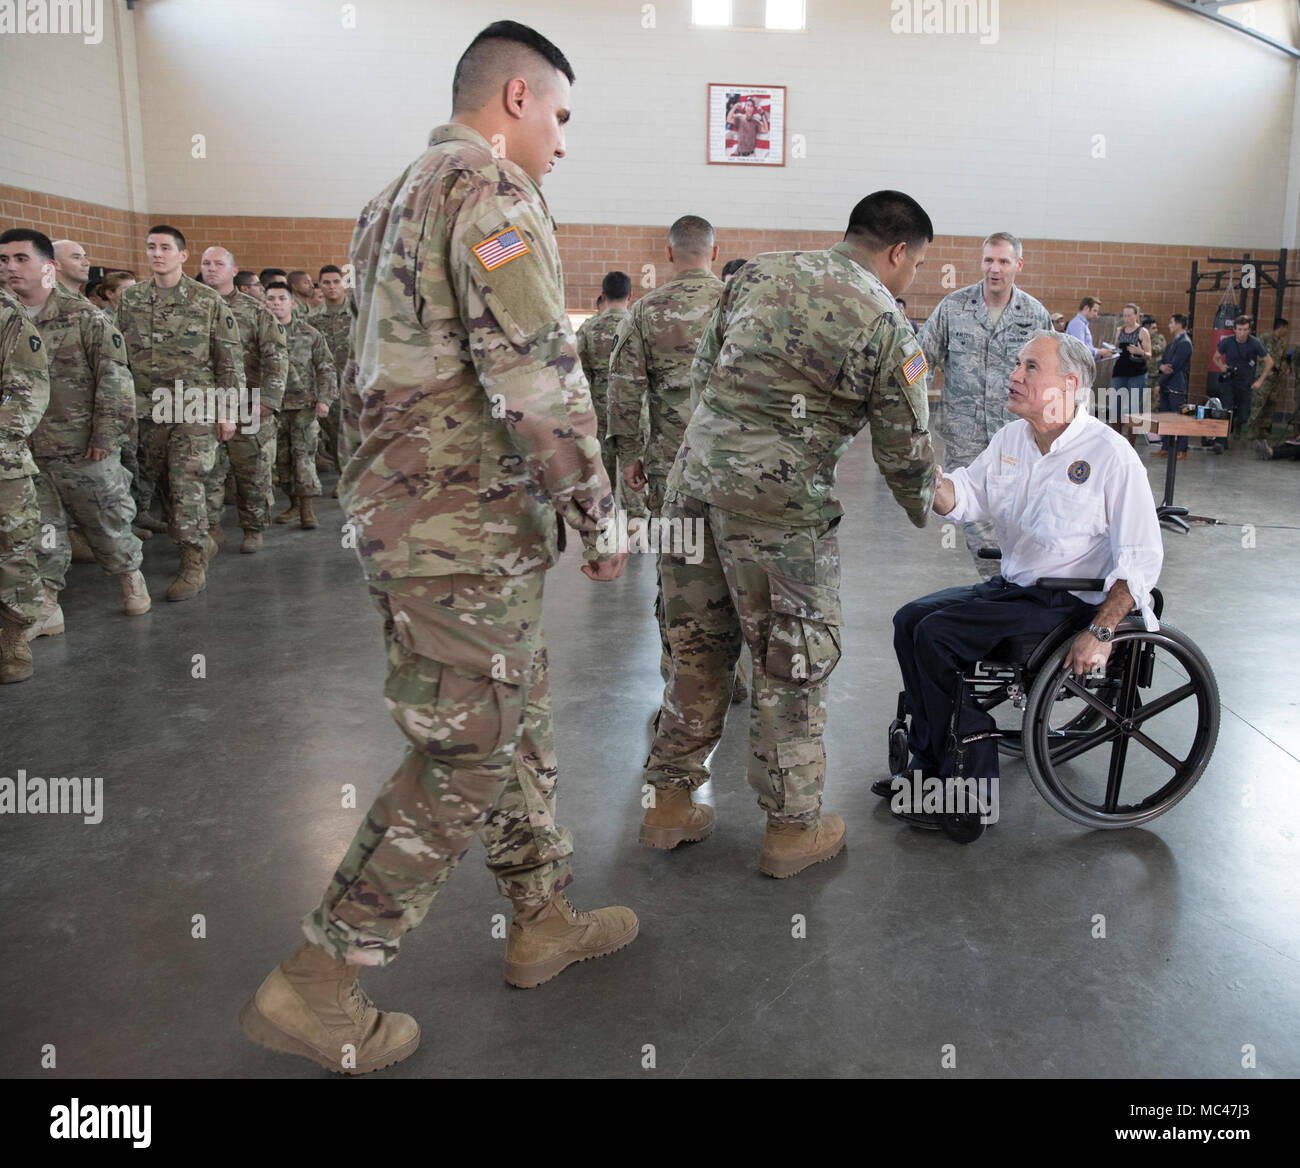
1101	632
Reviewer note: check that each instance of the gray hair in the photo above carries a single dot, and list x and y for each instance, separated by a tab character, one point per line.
1072	357
691	236
1005	237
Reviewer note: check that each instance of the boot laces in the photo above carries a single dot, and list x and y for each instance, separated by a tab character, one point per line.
358	998
585	917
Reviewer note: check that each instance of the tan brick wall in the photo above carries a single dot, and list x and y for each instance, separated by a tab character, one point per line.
1057	272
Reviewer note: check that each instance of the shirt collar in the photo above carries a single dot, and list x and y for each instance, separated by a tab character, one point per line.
1069	435
458	132
844	250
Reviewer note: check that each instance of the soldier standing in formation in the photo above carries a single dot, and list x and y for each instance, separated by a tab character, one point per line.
595	343
77	443
311	384
804	350
334	321
470	434
974	336
250	457
176	330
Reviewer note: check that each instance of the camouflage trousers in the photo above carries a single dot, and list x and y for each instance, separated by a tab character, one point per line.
1260	423
633	502
467	685
184	452
96	497
777	590
20	581
329	435
981	533
295	451
252	459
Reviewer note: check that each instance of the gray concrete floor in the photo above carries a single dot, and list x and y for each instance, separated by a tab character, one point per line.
222	798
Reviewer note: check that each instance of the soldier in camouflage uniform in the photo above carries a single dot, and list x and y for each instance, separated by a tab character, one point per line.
974	336
310	386
595	343
650	372
804	350
1260	424
249	455
333	320
469	434
177	330
24	393
77	443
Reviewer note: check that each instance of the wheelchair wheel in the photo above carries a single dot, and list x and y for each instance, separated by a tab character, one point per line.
1152	726
1079	716
898	753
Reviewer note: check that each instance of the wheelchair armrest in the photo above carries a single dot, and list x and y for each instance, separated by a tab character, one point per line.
1070	584
989	553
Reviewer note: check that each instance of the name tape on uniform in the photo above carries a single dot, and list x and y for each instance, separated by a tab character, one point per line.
501	248
915	368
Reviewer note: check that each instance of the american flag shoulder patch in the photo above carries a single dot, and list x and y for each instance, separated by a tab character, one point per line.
915	368
501	248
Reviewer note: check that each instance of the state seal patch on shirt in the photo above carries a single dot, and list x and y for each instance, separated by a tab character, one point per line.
915	367
1078	472
501	248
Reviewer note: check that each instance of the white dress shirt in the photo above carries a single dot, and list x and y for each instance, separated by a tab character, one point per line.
1084	508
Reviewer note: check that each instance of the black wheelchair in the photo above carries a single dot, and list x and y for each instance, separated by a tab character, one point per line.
1157	692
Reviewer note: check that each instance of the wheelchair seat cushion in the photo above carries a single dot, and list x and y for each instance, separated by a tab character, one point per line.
1022	648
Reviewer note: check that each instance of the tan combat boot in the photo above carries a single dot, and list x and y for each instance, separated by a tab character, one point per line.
15	653
81	553
210	548
544	939
218	534
252	542
50	622
791	847
135	594
313	1005
306	516
674	819
191	579
290	515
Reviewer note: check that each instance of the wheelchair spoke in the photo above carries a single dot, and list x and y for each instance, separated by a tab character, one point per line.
1159	751
1079	743
1096	703
1118	751
1162	703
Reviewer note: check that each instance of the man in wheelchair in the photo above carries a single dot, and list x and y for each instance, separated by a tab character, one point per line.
1068	497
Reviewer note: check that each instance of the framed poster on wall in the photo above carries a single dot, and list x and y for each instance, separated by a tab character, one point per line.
746	125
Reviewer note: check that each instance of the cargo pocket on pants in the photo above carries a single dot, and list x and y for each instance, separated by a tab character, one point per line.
803	642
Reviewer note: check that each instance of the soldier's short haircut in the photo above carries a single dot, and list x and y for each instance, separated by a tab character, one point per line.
1280	322
40	242
278	284
691	236
295	274
330	268
503	50
164	229
886	218
732	266
230	255
1005	237
1243	319
244	277
1180	318
1088	302
616	286
1072	356
266	275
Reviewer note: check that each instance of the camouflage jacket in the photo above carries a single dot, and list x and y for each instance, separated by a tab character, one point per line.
467	421
24	387
1158	344
1276	346
805	349
652	357
336	326
977	359
595	343
266	347
312	377
92	395
191	337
